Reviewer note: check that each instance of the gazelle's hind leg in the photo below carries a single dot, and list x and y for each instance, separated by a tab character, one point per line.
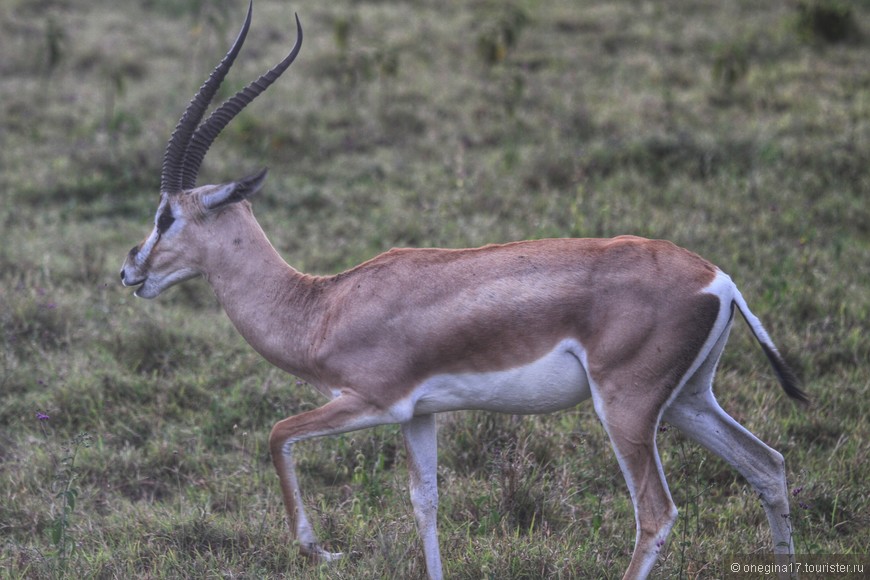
633	438
700	417
696	413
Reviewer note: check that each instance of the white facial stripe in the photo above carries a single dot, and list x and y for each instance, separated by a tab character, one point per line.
151	241
146	248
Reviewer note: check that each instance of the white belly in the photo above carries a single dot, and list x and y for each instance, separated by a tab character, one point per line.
555	381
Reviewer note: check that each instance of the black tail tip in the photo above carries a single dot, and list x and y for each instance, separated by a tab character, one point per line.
790	385
787	377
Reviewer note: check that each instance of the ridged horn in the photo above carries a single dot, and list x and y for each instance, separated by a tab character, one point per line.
211	128
176	150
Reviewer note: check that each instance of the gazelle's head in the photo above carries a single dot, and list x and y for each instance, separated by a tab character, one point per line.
184	222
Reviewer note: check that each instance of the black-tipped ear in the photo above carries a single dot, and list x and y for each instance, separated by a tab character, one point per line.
236	191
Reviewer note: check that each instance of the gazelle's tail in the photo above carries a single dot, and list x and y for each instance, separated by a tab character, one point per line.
786	376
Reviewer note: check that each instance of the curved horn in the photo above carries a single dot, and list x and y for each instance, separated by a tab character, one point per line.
211	128
173	159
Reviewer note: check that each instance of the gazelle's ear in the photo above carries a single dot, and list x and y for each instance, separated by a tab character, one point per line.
235	191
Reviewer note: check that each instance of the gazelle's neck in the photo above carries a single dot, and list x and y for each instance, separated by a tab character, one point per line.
273	306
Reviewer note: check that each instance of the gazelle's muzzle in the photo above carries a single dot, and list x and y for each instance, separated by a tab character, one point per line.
130	271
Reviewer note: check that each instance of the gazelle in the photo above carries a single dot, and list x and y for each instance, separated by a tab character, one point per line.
636	325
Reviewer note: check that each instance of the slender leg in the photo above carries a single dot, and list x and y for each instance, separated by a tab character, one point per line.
300	527
696	413
346	413
633	438
421	444
700	417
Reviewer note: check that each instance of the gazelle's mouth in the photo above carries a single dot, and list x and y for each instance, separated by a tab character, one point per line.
141	291
137	284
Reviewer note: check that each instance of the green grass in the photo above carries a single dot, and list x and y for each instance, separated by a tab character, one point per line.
740	130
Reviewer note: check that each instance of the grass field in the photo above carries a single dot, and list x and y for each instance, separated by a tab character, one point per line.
133	433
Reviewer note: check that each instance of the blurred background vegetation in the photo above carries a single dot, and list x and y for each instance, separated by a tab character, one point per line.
132	433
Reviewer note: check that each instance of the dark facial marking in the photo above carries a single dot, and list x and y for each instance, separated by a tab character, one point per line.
165	221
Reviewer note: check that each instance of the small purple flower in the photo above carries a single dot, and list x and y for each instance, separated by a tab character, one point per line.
42	416
803	506
796	491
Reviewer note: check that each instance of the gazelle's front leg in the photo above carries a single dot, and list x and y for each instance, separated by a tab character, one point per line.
421	444
300	527
343	414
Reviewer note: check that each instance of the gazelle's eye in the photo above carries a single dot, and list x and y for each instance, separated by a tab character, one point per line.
165	221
